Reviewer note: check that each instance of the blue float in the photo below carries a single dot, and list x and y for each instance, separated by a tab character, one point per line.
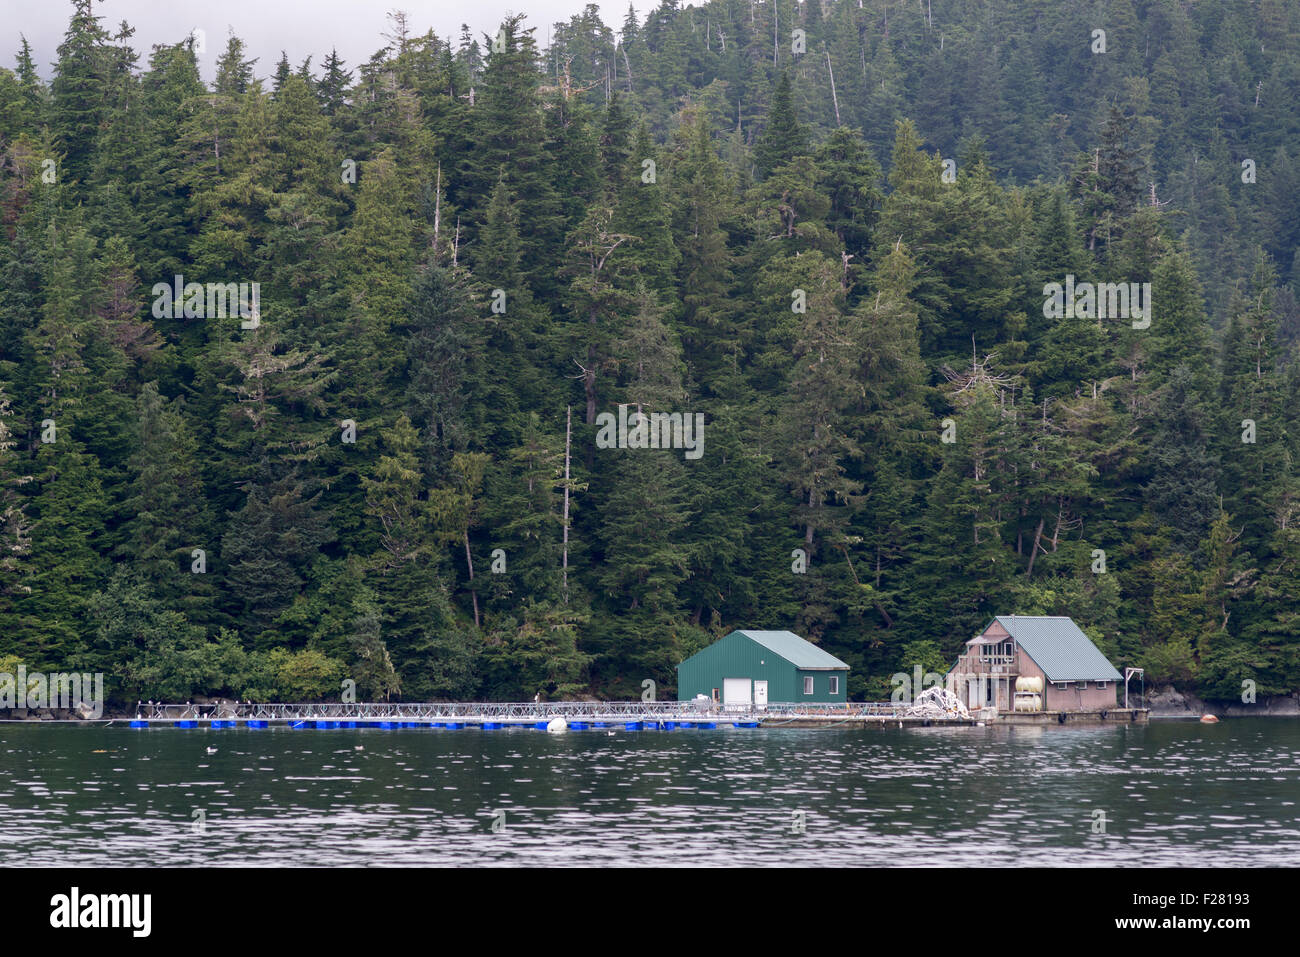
455	724
298	724
139	724
578	726
707	724
632	726
252	723
744	724
187	724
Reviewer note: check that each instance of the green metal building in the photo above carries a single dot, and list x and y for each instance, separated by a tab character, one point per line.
761	667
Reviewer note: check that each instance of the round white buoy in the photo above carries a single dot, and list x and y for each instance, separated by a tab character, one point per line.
557	724
1209	719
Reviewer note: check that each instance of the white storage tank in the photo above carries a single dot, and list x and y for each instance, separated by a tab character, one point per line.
1030	684
1028	702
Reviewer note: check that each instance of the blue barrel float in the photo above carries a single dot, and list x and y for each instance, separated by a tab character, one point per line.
298	724
253	723
491	725
455	724
631	725
668	725
139	724
744	724
187	724
578	725
346	724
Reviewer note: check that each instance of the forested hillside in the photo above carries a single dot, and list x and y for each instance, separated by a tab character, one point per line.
830	227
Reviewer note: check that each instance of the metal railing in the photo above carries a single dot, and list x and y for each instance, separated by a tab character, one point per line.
488	710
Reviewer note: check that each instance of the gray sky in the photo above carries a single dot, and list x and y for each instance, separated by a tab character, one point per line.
300	27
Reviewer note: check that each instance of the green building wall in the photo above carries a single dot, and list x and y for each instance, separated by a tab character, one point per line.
736	656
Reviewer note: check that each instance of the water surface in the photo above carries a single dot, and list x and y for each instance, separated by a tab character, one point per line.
1172	793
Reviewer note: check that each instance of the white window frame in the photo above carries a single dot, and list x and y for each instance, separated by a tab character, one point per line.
809	686
835	684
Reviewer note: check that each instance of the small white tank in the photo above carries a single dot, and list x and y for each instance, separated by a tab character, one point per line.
1031	684
1029	702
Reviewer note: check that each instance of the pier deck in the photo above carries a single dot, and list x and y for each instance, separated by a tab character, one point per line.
588	715
625	715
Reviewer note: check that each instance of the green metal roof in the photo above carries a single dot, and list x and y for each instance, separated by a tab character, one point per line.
796	650
1060	648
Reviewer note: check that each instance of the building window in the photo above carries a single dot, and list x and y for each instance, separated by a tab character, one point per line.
835	684
807	686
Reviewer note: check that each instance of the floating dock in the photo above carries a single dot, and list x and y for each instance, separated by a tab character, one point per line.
588	716
533	716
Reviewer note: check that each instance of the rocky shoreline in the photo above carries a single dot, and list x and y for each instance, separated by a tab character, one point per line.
1169	702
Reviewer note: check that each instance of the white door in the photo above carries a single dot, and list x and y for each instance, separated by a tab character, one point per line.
760	694
736	691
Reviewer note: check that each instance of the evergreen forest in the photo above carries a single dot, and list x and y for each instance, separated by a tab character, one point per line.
858	240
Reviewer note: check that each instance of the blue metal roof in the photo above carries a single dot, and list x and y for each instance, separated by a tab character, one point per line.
1060	648
798	651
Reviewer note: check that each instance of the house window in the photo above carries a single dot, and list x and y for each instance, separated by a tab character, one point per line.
807	686
835	684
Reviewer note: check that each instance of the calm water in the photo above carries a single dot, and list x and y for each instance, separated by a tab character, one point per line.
1172	793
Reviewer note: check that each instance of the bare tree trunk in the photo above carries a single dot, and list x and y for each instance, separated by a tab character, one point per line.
568	433
1033	552
834	99
437	213
469	561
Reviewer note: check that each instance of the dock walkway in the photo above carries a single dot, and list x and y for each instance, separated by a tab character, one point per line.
487	716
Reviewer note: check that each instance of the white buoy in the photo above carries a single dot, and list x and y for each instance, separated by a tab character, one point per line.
557	724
